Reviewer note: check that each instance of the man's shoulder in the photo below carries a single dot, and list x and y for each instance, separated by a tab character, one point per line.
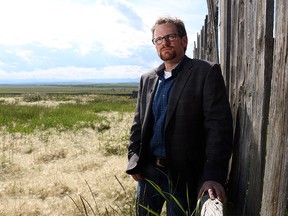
153	72
201	62
150	74
200	66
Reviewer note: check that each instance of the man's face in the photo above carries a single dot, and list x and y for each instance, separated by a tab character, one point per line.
169	50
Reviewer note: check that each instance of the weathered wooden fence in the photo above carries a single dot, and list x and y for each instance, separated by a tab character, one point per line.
253	53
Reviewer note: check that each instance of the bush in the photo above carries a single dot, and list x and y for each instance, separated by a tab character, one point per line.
33	97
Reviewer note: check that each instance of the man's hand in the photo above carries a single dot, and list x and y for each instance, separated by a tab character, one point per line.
214	189
137	177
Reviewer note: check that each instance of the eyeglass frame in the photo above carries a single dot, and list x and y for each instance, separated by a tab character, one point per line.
166	37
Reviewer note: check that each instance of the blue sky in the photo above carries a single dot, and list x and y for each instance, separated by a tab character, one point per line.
85	40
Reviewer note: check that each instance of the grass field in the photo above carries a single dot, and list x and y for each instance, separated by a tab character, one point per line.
64	149
126	88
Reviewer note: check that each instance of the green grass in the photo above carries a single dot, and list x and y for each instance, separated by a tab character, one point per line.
170	197
27	118
113	103
123	88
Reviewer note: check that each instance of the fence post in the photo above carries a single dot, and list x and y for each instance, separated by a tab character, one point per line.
250	77
258	180
275	191
212	40
225	40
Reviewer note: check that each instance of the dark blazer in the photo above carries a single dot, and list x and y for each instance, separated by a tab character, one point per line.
198	126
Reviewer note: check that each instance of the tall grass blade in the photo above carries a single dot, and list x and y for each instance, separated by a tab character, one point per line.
121	185
114	210
159	190
93	197
198	206
120	209
178	204
149	210
79	209
82	200
187	197
106	210
84	206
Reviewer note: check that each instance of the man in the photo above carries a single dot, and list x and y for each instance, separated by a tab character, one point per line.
181	136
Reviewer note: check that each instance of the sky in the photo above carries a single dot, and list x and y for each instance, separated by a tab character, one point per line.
86	40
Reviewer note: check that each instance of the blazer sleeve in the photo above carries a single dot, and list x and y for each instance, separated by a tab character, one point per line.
218	127
135	135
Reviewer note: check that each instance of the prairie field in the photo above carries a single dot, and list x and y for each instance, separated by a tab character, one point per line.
65	154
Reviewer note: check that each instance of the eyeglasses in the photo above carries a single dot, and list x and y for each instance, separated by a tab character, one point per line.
168	38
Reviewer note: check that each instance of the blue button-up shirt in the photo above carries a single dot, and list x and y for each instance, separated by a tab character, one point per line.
159	109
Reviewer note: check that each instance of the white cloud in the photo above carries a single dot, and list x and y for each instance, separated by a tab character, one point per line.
119	28
75	73
59	24
26	55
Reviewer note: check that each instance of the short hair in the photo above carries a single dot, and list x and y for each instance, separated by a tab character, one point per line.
177	22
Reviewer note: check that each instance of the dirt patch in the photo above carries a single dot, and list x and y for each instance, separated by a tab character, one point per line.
41	172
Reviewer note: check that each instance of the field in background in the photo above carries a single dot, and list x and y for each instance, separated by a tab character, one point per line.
116	89
52	161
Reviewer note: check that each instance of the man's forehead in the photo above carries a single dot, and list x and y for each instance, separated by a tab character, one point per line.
164	27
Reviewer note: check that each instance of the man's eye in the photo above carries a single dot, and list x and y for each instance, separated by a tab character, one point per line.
158	39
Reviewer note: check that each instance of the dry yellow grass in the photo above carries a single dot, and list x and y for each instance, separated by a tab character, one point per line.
39	171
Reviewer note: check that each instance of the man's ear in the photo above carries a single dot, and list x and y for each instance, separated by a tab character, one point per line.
184	41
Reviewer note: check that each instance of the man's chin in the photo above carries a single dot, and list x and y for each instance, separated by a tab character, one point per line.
167	58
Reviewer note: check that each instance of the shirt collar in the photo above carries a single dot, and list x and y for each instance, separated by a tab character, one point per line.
161	68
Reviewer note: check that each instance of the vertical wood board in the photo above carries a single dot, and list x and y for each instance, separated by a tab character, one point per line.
275	195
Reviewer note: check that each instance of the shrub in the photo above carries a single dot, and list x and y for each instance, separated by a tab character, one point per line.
33	97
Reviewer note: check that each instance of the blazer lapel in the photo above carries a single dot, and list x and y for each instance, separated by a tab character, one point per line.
179	85
152	85
151	88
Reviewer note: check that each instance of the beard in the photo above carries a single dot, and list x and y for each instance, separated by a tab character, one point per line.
167	55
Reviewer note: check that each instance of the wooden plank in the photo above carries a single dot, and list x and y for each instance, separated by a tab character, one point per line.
249	88
248	77
194	50
206	36
275	189
212	31
253	157
204	48
202	43
238	185
260	45
198	45
225	40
